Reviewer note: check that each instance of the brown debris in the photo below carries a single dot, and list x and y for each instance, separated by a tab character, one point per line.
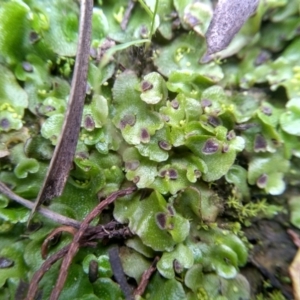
272	253
116	266
52	235
82	238
228	18
127	14
146	277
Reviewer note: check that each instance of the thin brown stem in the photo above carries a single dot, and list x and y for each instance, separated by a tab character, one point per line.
42	210
34	284
146	277
127	14
51	236
117	268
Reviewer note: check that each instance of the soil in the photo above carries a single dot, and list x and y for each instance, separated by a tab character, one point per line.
269	260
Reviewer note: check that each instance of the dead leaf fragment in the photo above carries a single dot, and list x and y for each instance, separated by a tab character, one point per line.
228	18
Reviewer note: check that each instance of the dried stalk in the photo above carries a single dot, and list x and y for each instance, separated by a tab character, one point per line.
43	211
61	161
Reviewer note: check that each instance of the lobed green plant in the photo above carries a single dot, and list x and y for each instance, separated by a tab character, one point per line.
197	140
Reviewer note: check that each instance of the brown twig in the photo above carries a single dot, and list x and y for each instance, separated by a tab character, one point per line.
38	275
116	266
127	14
108	231
44	248
62	158
78	236
146	277
43	211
